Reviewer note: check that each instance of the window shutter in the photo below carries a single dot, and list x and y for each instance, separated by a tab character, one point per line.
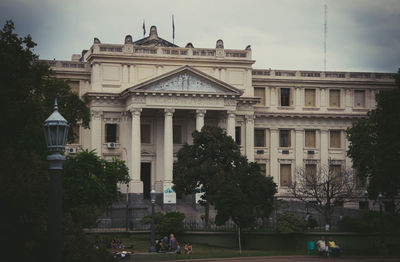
116	133
285	174
311	172
334	98
260	92
310	138
310	97
335	139
359	98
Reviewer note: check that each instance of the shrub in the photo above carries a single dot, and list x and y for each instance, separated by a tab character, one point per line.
370	222
167	223
290	222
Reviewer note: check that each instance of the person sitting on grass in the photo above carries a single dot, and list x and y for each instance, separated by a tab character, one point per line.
321	245
174	245
334	248
164	244
188	248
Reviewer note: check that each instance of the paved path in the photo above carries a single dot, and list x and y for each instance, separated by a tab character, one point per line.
299	259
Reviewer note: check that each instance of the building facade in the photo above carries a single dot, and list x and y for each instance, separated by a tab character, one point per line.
148	96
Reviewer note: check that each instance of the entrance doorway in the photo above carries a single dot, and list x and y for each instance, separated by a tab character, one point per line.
145	176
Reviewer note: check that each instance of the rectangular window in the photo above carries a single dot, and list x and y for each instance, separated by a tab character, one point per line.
334	98
259	138
334	139
260	92
238	135
310	139
311	172
285	96
309	98
145	134
335	173
284	138
177	134
263	169
359	98
74	87
75	130
286	171
112	133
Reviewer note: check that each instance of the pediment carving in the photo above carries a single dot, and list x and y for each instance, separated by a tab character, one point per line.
185	82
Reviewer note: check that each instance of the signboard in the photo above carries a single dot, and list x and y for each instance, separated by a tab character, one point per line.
198	195
169	194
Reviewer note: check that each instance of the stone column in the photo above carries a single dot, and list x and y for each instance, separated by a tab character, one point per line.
96	85
231	123
131	74
200	119
324	148
95	128
136	183
273	153
250	137
299	147
168	144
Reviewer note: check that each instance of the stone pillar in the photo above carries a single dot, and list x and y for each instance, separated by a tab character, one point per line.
231	123
132	74
250	137
95	128
136	183
273	152
297	98
299	147
96	84
168	144
200	119
324	148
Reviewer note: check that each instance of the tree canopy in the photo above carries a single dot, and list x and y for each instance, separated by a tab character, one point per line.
375	144
214	166
27	93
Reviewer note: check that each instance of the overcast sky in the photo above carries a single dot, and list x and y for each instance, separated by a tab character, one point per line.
363	35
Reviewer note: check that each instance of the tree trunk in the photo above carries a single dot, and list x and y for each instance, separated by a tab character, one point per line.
240	242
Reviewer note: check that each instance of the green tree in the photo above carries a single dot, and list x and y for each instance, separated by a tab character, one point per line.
27	92
375	145
234	186
212	154
90	186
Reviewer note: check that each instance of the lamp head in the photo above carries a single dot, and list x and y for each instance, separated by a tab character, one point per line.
153	196
55	131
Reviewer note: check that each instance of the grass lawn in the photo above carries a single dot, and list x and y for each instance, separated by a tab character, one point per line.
141	244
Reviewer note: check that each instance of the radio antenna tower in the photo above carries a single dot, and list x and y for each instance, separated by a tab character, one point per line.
325	33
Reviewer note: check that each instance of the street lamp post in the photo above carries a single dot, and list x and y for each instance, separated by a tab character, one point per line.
381	220
55	132
366	199
153	201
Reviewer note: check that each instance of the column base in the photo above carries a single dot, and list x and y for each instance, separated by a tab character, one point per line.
136	187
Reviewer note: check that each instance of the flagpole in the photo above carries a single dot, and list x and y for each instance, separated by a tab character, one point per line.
173	30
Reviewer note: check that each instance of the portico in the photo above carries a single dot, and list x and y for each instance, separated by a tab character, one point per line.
170	108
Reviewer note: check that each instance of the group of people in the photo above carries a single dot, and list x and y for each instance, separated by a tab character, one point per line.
116	243
172	245
329	248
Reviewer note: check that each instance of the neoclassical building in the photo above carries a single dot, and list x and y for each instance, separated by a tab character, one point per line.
148	96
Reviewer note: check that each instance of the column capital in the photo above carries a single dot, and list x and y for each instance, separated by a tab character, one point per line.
249	118
135	111
299	130
231	113
201	112
96	114
169	111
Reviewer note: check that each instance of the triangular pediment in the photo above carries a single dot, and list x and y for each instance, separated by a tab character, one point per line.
186	80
